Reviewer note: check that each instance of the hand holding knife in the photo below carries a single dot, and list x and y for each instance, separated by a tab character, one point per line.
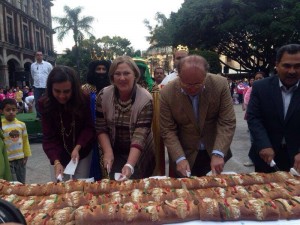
274	166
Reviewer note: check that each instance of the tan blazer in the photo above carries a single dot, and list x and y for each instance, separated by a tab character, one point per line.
179	128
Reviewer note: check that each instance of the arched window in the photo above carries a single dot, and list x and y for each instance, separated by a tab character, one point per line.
44	15
33	8
38	12
25	6
18	4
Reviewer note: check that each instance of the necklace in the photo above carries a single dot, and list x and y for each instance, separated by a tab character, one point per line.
123	106
124	103
67	134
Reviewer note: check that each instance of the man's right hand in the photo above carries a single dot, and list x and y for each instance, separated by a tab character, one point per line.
267	154
183	167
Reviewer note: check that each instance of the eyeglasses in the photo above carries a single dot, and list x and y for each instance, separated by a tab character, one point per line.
195	85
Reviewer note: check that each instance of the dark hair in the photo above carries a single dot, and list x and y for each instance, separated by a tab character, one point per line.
100	81
38	51
158	68
290	49
92	67
61	74
8	101
259	72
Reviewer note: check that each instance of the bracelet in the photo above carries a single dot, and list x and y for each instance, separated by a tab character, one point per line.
56	162
131	167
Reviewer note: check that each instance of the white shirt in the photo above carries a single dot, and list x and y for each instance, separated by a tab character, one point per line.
169	78
287	95
29	99
39	73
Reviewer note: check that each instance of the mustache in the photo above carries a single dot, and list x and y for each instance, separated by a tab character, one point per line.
291	75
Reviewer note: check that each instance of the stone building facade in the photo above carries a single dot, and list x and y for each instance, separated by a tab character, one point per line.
25	27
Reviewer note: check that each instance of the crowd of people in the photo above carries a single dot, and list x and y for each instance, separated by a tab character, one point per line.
122	120
24	96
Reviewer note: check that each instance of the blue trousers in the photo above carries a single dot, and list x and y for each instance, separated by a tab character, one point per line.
38	93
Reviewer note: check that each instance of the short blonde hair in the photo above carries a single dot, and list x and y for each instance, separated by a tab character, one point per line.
123	59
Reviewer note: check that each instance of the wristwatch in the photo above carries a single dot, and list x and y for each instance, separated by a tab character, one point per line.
218	155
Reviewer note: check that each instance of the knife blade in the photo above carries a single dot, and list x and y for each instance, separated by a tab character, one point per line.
294	172
108	171
274	166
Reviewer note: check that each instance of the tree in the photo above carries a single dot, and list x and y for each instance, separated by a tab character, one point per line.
160	31
116	45
72	21
248	32
69	59
105	48
212	59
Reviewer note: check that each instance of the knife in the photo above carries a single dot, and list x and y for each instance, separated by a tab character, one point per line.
294	172
108	171
273	164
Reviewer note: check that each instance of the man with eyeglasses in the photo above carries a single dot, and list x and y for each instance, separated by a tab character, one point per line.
197	119
39	72
273	115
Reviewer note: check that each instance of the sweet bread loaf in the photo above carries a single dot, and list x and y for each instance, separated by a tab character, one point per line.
180	210
209	210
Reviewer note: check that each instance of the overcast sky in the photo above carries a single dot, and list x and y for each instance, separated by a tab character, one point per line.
122	18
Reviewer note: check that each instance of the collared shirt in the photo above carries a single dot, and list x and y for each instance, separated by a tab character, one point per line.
39	73
287	95
169	78
286	99
195	103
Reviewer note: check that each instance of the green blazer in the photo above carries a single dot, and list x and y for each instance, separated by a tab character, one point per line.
4	164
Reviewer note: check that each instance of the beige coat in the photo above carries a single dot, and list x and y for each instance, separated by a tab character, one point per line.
179	128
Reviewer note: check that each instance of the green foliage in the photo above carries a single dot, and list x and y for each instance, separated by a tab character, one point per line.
73	22
80	55
212	59
104	48
69	59
79	25
248	32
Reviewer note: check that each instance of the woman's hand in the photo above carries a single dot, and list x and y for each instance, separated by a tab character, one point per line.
75	153
58	169
127	171
108	160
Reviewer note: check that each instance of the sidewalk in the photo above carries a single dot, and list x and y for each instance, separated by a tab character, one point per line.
38	170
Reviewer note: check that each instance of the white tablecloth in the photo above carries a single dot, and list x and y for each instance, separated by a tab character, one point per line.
278	222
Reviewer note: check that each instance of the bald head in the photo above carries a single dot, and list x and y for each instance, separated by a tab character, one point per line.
192	72
193	61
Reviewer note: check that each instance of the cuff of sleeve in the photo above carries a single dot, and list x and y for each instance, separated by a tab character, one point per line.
137	146
180	159
218	153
